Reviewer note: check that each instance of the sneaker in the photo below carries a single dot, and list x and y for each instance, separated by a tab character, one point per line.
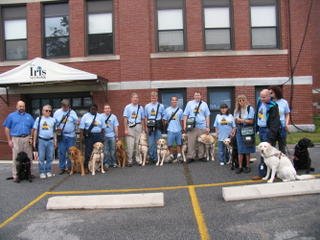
239	170
222	164
49	174
43	175
171	157
246	170
63	171
129	164
114	165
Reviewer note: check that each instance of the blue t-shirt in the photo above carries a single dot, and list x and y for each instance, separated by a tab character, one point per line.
98	124
70	123
46	127
130	112
224	124
283	110
245	114
110	125
203	112
262	115
19	123
151	110
175	123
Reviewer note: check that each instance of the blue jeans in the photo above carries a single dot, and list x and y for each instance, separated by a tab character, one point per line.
45	151
222	151
64	144
153	137
109	151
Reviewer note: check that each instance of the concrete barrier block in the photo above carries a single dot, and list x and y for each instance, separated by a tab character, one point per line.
269	190
114	201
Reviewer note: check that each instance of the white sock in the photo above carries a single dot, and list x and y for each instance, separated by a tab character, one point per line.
179	155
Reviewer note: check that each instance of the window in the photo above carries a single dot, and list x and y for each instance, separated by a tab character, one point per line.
56	28
170	25
100	33
264	28
216	96
217	24
165	97
15	32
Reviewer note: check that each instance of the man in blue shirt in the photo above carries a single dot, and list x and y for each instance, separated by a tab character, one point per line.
133	121
198	111
154	113
110	136
18	126
66	120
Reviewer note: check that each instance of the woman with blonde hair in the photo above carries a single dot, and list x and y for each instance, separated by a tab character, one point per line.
244	117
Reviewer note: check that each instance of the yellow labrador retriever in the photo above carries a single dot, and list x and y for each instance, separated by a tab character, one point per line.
143	148
162	151
278	164
209	140
96	159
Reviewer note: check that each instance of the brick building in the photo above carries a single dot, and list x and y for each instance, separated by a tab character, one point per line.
221	48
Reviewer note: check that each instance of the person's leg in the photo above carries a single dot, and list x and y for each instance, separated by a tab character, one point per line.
201	147
152	145
42	156
240	158
192	141
283	140
221	152
88	150
107	155
247	160
71	141
49	156
170	142
130	145
15	151
137	132
62	145
112	150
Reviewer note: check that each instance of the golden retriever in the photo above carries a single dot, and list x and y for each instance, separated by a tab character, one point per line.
279	164
121	154
77	161
96	159
143	148
162	151
209	140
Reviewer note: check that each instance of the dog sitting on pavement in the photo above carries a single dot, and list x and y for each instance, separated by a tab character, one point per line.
96	159
77	161
162	151
209	140
143	148
121	154
184	148
23	167
278	164
301	159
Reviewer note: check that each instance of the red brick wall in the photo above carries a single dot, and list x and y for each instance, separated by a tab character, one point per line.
194	27
34	28
77	28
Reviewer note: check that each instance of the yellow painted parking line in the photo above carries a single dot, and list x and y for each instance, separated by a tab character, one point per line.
22	210
202	226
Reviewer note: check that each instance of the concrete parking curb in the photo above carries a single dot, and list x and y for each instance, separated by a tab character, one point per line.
114	201
270	190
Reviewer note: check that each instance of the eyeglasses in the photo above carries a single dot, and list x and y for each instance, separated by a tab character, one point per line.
47	110
241	100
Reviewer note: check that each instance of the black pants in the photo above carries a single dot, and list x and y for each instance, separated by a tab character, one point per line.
89	141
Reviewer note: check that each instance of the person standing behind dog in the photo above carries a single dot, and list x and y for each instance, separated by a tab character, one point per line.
173	117
17	127
268	123
44	132
284	112
244	116
133	115
67	120
92	126
196	121
153	120
225	127
110	137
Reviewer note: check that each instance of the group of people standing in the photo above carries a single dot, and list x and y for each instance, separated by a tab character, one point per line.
48	132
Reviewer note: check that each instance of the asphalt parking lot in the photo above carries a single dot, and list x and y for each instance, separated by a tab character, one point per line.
194	208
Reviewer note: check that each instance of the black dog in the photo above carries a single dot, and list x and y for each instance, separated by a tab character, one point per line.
302	160
23	168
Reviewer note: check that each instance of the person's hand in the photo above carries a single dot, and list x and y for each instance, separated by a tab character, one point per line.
10	143
207	130
126	132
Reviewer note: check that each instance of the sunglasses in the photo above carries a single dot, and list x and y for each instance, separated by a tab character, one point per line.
46	110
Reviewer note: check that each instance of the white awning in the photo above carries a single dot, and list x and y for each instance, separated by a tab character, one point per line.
42	70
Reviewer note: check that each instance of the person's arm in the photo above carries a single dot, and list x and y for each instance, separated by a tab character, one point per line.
273	124
7	133
125	122
116	132
208	124
185	122
287	116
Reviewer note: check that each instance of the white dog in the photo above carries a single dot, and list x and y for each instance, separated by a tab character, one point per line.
184	148
227	143
143	148
278	163
209	140
162	151
96	159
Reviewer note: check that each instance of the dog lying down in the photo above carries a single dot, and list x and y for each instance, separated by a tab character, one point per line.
279	164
